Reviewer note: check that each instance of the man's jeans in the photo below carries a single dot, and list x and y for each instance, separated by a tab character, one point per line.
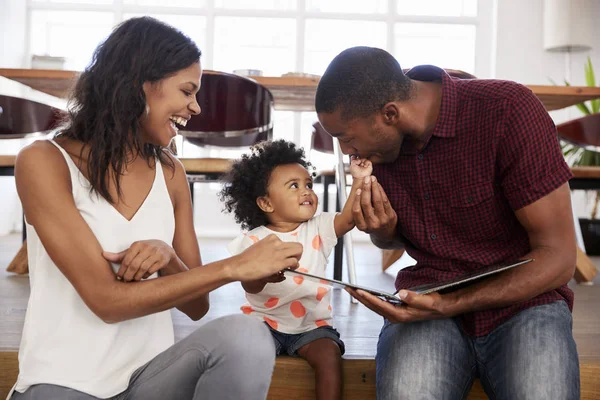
531	356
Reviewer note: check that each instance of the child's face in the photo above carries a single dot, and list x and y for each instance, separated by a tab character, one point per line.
290	196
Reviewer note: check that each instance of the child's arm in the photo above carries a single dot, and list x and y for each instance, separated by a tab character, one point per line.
344	221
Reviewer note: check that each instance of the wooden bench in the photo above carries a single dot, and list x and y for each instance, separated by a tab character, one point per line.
294	379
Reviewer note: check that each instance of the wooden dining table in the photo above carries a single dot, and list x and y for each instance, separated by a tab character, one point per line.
291	93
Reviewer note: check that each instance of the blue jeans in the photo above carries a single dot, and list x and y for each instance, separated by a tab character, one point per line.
531	356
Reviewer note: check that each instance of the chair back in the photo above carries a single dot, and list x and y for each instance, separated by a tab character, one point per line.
20	118
236	111
583	132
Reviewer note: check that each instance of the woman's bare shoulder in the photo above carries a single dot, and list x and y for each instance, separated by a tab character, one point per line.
176	178
40	159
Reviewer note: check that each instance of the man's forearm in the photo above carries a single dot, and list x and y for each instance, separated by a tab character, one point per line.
550	270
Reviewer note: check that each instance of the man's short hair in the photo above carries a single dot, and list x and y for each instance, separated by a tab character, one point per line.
360	81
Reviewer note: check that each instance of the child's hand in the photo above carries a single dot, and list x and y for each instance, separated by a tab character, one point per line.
360	167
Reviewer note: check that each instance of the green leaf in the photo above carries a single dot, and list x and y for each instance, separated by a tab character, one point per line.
583	108
590	80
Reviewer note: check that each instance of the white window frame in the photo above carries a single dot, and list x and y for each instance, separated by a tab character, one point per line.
484	22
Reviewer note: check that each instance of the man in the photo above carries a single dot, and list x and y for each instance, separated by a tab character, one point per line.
474	177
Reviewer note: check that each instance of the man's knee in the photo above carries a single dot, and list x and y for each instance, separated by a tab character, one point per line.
423	360
539	336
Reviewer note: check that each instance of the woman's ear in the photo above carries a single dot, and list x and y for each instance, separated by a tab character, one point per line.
264	204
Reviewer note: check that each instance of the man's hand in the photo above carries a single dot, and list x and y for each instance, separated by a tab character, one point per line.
415	307
372	211
142	259
360	167
266	258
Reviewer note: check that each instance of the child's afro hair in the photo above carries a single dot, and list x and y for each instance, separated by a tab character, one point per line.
249	178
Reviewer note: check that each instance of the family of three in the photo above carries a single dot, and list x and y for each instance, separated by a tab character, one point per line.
461	173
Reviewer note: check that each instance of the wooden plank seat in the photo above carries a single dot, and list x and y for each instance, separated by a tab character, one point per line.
586	173
293	378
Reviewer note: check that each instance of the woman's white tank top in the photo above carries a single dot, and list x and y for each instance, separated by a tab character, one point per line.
64	343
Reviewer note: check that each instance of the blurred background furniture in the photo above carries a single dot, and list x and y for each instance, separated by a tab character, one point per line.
24	113
322	142
584	133
236	112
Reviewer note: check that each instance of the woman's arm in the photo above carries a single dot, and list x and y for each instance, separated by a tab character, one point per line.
185	242
44	187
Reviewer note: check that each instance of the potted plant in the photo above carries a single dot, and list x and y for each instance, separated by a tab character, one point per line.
580	157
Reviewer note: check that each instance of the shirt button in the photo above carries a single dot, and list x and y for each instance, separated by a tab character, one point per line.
433	236
426	196
420	156
469	199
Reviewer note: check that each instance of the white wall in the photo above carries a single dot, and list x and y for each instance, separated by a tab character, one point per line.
12	55
13	20
517	54
520	56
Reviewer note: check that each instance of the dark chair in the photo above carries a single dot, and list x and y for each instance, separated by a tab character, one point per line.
236	112
583	132
322	142
25	113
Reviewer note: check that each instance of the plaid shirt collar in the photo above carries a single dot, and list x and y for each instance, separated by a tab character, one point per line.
445	125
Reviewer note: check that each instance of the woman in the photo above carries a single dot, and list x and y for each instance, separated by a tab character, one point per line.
106	189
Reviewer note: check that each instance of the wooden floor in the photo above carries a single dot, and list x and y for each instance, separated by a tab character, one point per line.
358	326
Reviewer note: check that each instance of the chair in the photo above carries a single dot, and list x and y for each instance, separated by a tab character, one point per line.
583	132
24	113
322	142
236	112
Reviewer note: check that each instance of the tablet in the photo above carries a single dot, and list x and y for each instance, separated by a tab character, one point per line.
422	289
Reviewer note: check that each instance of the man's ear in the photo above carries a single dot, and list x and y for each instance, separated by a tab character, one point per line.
390	113
264	204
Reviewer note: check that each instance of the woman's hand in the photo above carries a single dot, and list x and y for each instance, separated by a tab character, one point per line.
142	259
265	259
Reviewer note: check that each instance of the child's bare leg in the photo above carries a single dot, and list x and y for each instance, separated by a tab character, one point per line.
325	358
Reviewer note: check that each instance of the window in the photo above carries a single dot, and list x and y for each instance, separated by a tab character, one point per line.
348	6
449	8
192	26
325	38
265	44
52	33
256	4
169	3
279	36
449	46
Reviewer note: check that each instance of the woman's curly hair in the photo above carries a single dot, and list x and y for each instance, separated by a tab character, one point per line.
108	99
249	178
